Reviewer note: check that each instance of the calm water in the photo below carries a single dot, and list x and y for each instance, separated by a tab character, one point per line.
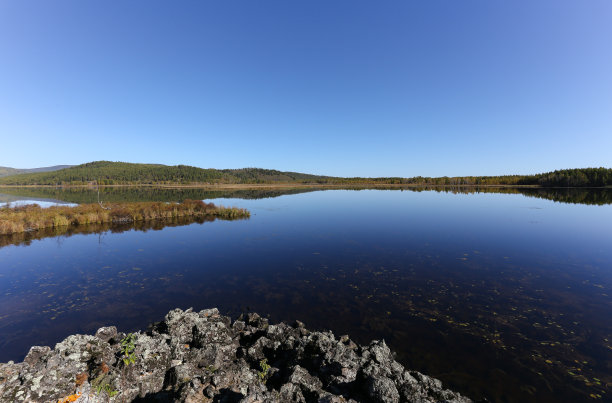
501	296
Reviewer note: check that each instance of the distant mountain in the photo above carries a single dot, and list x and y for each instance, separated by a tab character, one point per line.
110	173
6	171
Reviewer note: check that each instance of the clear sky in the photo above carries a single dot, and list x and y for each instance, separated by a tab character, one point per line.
348	88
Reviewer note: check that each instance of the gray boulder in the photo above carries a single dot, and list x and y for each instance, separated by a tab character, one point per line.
205	357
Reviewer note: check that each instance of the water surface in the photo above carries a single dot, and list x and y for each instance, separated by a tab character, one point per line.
500	295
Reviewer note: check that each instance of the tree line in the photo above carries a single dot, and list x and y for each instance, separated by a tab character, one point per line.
122	173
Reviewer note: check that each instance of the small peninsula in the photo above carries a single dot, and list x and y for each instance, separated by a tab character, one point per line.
32	217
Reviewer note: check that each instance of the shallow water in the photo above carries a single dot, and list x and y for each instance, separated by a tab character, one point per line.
499	295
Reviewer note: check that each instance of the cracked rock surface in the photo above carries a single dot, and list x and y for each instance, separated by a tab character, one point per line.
206	357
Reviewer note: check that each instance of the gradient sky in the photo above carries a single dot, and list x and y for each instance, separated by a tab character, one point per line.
348	88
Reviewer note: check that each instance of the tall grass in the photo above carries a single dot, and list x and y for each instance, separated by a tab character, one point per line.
33	217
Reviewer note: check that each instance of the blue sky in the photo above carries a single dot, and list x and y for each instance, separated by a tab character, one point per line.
348	88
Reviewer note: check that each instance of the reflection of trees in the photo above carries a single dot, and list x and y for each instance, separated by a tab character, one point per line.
128	194
595	196
592	196
572	195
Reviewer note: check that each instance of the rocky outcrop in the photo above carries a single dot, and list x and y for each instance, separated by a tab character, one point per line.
206	357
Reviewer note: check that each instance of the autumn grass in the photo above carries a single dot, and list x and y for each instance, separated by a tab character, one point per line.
33	217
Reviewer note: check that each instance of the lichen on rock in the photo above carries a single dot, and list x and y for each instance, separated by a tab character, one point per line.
205	357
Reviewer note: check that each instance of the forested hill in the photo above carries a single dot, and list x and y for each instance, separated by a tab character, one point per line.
111	173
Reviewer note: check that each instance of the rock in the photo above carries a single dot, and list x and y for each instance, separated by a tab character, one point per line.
106	333
35	354
204	357
308	384
382	390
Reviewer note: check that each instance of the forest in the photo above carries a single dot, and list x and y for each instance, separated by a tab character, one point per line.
122	173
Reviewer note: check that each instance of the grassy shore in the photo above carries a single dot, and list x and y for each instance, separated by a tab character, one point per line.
33	217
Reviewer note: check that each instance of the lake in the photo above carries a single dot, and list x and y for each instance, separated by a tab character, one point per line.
502	294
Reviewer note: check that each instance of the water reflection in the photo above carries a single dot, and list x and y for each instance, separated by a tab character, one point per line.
590	196
500	296
8	200
26	238
130	194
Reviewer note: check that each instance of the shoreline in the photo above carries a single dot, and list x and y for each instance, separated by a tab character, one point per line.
206	357
223	186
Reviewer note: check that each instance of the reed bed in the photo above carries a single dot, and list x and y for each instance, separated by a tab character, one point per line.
33	217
